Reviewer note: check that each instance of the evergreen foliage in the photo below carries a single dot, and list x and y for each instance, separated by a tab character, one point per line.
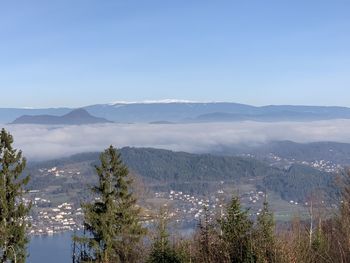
237	233
208	244
265	243
298	181
162	252
197	174
112	220
13	210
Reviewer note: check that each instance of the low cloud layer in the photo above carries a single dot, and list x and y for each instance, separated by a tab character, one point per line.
42	142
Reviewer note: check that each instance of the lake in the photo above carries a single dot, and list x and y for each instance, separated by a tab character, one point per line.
53	249
58	248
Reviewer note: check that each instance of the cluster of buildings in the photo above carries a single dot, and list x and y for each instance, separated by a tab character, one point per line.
49	217
55	171
322	165
51	220
326	166
253	197
189	208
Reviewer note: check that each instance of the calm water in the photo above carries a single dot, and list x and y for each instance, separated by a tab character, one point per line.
58	248
53	249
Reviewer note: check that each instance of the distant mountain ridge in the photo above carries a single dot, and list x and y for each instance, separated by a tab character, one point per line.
213	112
189	112
75	117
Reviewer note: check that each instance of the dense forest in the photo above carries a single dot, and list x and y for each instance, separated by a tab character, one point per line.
163	170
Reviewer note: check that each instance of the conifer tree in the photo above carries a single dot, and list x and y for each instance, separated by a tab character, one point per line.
265	236
236	230
13	210
161	251
112	220
208	244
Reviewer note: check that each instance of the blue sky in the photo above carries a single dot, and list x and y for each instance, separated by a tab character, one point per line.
75	53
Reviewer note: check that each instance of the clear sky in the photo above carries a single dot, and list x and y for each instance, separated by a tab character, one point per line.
75	53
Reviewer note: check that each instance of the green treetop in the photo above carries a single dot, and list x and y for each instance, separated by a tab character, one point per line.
265	235
112	219
13	210
236	230
161	251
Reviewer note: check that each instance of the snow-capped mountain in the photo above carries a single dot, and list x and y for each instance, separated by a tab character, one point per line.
166	111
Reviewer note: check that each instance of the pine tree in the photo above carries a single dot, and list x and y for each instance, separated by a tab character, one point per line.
13	210
112	220
265	242
236	230
208	245
161	251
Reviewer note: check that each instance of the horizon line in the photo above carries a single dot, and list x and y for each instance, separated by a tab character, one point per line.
167	101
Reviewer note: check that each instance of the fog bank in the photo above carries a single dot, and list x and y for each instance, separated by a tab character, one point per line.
40	142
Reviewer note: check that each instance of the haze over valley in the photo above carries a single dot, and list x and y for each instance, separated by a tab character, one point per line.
174	131
171	125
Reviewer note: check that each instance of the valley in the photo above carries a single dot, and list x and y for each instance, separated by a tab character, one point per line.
185	183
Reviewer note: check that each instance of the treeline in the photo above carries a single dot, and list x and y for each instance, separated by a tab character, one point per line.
114	231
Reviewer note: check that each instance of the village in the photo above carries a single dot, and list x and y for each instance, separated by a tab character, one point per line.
321	165
185	209
49	221
49	216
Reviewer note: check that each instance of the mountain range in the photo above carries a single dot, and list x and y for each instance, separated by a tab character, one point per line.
184	112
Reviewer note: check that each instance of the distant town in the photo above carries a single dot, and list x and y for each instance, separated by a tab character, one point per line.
48	217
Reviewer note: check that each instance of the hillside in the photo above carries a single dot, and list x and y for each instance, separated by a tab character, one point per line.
196	173
338	153
300	183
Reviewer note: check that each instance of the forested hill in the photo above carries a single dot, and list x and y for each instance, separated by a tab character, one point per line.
301	182
195	172
338	153
165	165
180	166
